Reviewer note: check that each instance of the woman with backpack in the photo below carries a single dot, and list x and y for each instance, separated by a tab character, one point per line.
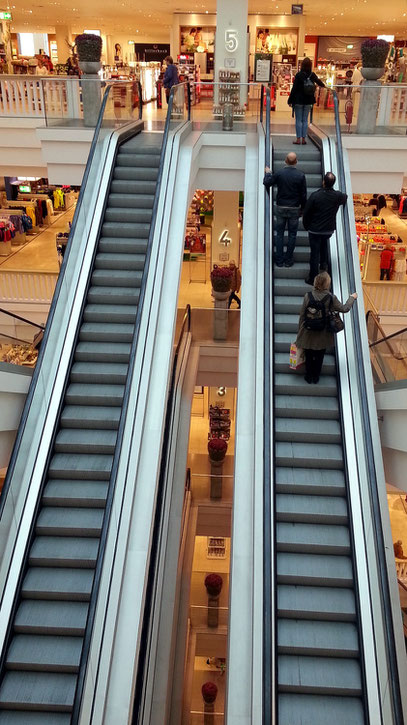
302	98
314	334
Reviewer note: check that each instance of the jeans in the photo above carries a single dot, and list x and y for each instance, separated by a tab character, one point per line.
233	296
313	364
385	273
301	120
286	217
319	253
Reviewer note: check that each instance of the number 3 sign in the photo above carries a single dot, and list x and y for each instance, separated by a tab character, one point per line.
231	42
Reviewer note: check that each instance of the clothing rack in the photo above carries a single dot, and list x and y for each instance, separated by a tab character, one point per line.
19	204
20	237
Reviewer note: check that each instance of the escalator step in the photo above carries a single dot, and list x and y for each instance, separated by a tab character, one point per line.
78	522
119	313
115	295
126	158
317	603
64	550
304	455
287	304
106	332
81	394
45	617
120	215
66	584
79	466
314	570
15	717
52	691
143	201
60	492
311	509
329	639
288	384
320	710
281	364
116	278
122	245
312	481
108	373
313	539
306	407
301	430
134	173
127	186
117	260
97	416
98	352
298	271
71	440
319	675
125	229
48	653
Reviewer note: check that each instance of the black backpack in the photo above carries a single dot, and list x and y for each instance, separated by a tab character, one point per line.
315	316
309	86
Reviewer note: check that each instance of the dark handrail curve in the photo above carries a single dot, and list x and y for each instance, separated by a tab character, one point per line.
120	432
389	337
268	704
394	684
22	319
51	314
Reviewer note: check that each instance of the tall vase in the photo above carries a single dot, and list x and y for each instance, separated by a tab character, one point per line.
209	713
220	320
216	479
91	92
369	100
213	611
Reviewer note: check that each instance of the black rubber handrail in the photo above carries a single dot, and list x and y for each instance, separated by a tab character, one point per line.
389	337
22	319
51	314
391	656
125	404
142	662
268	704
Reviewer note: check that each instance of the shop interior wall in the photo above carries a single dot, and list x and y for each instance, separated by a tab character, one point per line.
188	19
127	42
296	22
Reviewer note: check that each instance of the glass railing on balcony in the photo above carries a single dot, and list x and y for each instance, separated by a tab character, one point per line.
20	339
389	357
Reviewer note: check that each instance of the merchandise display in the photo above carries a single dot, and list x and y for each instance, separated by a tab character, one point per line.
219	422
382	252
18	354
229	92
188	71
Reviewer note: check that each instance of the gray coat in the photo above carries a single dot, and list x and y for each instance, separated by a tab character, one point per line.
319	339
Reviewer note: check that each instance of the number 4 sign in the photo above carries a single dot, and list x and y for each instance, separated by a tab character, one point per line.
231	40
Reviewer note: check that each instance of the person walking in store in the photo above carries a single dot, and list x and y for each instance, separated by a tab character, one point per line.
235	284
302	98
315	342
386	262
319	219
170	76
291	199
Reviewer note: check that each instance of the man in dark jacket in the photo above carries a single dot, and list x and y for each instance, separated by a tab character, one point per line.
319	219
170	76
291	199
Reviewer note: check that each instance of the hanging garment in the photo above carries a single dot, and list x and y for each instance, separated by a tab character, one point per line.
50	208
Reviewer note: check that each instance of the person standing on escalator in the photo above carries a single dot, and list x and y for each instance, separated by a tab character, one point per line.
302	98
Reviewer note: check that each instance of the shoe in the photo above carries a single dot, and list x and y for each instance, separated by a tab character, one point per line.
309	281
279	264
303	142
308	379
297	142
315	380
288	264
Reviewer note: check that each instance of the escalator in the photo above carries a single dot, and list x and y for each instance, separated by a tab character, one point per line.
42	658
319	668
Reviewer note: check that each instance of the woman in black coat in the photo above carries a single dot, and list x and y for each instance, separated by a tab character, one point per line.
302	98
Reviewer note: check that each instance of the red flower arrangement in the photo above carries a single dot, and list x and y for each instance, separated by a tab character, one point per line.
209	692
217	448
221	278
213	583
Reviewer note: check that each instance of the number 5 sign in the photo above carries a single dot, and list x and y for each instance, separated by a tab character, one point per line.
231	42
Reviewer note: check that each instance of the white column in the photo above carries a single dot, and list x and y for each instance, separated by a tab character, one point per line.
231	51
63	33
225	230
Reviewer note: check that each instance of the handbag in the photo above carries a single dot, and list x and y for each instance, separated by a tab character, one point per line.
296	356
335	322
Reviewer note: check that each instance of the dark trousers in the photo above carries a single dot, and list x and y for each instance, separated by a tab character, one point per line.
286	217
385	273
319	253
313	363
233	296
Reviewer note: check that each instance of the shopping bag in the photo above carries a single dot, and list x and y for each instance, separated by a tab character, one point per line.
296	356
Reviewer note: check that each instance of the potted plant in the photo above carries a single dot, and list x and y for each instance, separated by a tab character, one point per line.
209	692
221	278
374	54
217	449
89	48
213	584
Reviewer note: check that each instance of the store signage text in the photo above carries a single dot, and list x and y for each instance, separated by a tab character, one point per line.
224	238
231	40
5	15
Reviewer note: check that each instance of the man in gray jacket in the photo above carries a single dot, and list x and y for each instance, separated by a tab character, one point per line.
291	199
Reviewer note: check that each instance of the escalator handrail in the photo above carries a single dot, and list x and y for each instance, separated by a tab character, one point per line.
158	514
125	404
394	685
388	337
268	644
52	309
22	319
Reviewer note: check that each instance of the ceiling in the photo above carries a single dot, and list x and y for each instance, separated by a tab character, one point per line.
152	21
